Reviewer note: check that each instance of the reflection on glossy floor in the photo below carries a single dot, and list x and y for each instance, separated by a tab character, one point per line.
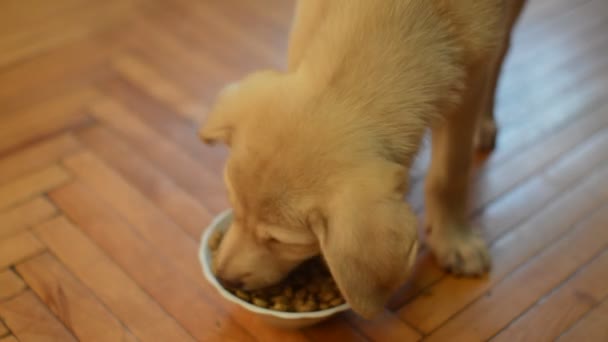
104	187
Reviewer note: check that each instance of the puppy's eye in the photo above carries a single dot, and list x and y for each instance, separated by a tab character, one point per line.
266	238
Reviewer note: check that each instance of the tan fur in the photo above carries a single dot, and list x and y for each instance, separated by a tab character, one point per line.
320	153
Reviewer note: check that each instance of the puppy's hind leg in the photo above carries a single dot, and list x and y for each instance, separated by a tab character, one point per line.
487	130
455	246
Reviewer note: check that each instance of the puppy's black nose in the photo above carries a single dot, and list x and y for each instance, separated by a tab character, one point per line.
233	284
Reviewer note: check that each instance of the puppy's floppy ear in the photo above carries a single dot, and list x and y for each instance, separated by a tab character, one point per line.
221	120
368	237
236	101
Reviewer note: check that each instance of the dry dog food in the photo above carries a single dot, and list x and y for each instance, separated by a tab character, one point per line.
309	287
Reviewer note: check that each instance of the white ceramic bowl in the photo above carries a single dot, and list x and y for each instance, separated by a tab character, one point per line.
277	318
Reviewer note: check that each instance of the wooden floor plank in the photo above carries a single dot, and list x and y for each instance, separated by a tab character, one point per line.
10	285
163	121
425	273
189	173
71	301
44	119
518	128
193	75
140	313
385	327
36	157
178	294
155	227
563	307
55	73
9	338
492	184
154	84
18	247
489	314
515	207
25	38
521	72
267	23
253	48
582	161
182	17
336	329
568	24
602	179
532	195
545	15
23	216
262	331
575	104
3	330
31	185
30	320
592	327
204	76
155	185
452	294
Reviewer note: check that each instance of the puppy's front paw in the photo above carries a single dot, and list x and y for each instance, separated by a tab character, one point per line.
462	253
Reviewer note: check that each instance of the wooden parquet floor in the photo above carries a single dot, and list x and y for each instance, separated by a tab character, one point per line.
105	188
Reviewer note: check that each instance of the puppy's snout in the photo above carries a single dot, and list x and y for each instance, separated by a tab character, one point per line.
227	281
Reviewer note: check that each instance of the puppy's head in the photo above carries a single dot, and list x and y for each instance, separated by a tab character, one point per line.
298	190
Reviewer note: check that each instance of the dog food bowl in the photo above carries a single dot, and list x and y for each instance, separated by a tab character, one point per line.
293	320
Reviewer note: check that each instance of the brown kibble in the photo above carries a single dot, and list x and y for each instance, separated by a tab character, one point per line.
299	279
259	302
312	305
336	302
288	292
299	307
311	298
279	307
274	290
241	294
301	294
298	303
305	306
313	288
309	288
327	296
327	286
258	293
280	300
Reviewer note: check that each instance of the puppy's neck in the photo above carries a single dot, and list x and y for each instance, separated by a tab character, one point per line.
380	84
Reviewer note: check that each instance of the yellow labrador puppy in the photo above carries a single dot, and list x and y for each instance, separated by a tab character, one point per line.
320	154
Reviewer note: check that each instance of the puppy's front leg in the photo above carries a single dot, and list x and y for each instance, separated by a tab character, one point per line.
456	247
